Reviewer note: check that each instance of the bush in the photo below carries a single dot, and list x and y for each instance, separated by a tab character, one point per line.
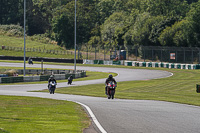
40	38
11	30
18	31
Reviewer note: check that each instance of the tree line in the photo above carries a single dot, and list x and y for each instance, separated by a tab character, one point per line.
109	23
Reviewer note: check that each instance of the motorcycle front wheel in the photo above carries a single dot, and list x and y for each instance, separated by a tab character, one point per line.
112	93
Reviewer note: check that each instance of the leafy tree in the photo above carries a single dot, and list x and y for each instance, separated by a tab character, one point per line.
113	29
179	34
140	31
11	11
110	22
193	17
131	19
39	15
64	22
63	25
94	41
105	8
167	7
140	5
191	1
159	27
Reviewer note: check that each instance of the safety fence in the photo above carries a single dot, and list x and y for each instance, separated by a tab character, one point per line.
144	64
63	74
82	52
187	55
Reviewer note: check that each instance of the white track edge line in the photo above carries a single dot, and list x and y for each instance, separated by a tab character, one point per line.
93	117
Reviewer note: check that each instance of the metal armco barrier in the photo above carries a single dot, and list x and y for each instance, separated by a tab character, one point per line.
40	59
40	78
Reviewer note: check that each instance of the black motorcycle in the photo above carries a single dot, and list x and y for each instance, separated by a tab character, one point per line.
111	90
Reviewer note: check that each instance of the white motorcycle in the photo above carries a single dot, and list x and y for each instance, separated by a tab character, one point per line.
52	87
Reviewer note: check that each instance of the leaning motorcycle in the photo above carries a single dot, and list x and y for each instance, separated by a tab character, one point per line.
111	90
52	87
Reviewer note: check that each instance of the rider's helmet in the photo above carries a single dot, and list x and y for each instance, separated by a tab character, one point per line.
51	76
110	76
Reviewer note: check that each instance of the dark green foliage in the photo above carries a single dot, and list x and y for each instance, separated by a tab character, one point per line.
156	31
191	1
64	33
109	22
11	11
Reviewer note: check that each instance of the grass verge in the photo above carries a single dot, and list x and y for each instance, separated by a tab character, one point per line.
27	114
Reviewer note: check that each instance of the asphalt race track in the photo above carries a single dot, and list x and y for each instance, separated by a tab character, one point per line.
122	116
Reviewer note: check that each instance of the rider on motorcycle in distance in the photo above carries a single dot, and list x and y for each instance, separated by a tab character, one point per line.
51	79
70	79
110	78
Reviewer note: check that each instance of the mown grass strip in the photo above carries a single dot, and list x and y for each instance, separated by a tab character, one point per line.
27	114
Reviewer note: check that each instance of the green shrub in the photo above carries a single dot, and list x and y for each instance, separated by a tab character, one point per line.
11	30
41	38
18	31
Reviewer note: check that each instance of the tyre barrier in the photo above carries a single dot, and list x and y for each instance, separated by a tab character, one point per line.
163	65
144	64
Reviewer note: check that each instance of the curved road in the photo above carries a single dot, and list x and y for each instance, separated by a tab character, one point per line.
122	116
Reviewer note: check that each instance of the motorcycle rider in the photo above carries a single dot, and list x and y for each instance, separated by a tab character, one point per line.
70	79
30	61
51	79
110	78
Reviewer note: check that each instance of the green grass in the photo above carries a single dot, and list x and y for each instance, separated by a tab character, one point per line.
180	88
30	43
19	42
31	115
